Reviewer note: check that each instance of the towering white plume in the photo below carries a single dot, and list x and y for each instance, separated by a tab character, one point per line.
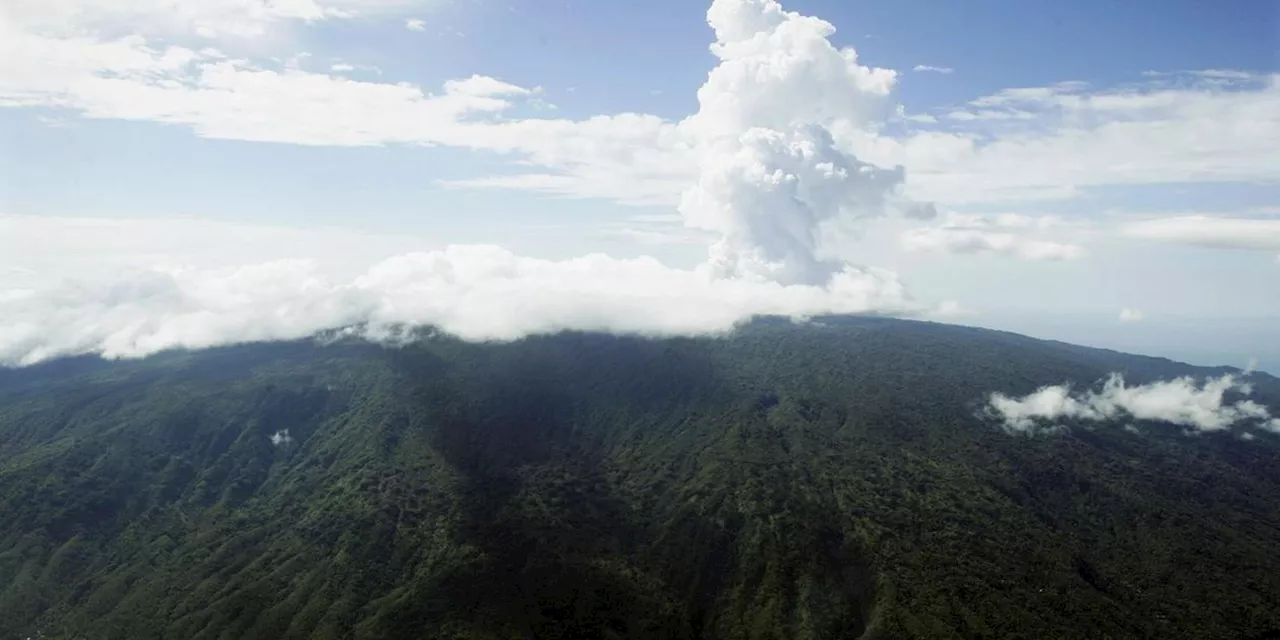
769	172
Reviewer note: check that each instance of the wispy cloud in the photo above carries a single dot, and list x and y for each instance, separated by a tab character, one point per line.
925	68
415	24
347	67
1249	234
1131	315
1051	142
1018	236
1018	144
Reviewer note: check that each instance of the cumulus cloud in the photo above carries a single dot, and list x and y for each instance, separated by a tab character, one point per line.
1180	401
1024	237
281	438
475	292
1131	315
927	68
769	170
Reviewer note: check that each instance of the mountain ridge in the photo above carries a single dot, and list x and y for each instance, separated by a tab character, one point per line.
828	479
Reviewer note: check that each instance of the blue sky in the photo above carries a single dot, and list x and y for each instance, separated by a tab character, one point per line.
1083	158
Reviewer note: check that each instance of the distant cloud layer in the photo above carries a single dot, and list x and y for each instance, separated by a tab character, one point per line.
1246	234
1180	401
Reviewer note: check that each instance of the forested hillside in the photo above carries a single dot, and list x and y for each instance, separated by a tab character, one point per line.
836	479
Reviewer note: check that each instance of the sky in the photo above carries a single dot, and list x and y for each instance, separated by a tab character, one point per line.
225	170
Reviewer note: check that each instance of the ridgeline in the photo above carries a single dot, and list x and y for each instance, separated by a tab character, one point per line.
834	479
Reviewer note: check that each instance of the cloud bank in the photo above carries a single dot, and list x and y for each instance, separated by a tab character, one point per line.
474	292
1180	401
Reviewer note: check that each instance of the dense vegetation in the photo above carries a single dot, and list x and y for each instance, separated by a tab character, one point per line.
828	480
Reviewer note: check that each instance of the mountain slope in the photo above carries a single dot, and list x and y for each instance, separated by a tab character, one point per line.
828	480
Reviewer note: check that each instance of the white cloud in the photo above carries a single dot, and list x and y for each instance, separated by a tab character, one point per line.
932	69
415	24
1020	144
966	116
948	310
16	271
767	175
476	292
281	437
769	172
629	157
1210	231
644	236
201	18
1040	143
1180	401
1131	315
43	251
1007	234
656	229
770	160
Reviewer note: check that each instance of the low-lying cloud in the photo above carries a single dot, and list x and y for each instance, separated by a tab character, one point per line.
1180	401
474	292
